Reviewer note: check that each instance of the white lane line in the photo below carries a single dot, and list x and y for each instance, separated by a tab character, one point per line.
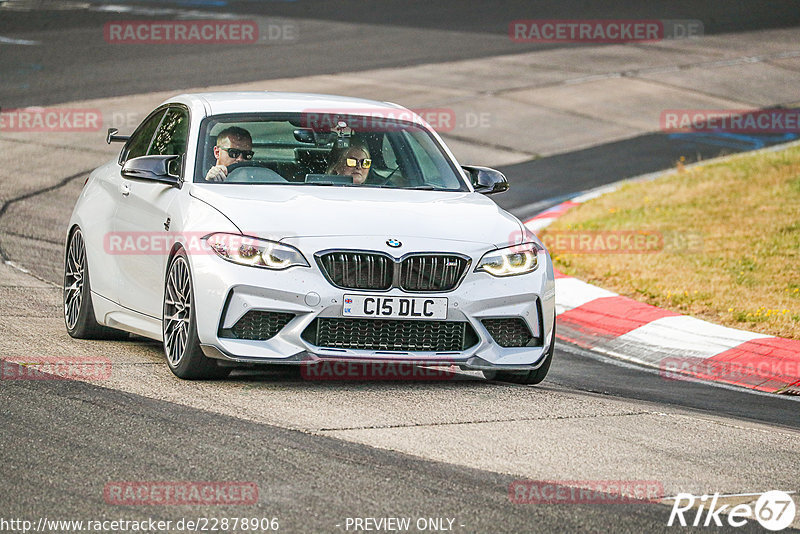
8	40
17	266
163	12
94	5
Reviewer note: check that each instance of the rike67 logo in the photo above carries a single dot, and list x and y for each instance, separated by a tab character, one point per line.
774	510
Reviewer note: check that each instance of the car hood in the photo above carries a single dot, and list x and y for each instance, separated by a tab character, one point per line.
284	212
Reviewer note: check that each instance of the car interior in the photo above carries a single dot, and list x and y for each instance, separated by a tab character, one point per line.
288	151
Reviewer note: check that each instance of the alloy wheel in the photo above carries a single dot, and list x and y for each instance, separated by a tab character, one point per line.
177	310
74	279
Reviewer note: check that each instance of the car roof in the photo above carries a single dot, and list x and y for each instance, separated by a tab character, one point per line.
221	103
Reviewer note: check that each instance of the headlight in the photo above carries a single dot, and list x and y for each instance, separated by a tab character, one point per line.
255	252
519	259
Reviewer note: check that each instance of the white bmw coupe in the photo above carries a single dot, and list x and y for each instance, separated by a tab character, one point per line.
264	228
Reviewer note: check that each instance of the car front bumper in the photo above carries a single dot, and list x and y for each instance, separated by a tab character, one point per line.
225	292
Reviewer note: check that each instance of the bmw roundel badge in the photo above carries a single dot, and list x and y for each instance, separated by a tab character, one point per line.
394	243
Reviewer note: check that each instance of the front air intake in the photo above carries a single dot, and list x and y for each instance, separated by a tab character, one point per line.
258	325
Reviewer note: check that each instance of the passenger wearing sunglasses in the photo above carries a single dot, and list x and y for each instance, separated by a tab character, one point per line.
352	161
234	145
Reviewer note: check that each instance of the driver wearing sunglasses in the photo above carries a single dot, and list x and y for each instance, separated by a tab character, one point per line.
234	145
353	161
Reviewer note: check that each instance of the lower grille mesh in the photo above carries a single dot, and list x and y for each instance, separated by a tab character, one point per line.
510	332
258	325
375	334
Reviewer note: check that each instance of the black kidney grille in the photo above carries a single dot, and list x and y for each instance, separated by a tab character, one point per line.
258	325
421	272
377	334
510	332
431	273
358	270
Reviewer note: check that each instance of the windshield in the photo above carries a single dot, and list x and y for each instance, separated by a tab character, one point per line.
323	150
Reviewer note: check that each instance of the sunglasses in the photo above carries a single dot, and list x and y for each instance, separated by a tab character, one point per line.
236	152
366	163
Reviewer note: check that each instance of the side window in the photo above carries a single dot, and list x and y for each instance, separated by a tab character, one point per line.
140	141
389	157
171	137
435	171
430	172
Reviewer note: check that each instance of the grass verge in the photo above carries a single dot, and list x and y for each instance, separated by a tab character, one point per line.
720	242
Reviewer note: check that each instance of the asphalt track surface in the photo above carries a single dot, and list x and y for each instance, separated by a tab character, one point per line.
310	483
84	435
74	62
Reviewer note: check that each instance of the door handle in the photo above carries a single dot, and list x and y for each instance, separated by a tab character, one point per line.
125	189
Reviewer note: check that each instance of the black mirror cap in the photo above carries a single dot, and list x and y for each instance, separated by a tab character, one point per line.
112	137
485	180
151	168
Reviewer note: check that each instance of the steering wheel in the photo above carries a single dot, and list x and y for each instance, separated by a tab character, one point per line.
233	167
258	173
388	179
243	164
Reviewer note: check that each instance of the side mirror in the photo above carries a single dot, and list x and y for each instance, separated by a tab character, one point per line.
485	180
160	169
112	137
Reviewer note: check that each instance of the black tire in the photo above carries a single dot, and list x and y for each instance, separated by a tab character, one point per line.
185	358
79	315
534	376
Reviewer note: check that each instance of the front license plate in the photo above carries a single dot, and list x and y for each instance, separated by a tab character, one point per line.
394	307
